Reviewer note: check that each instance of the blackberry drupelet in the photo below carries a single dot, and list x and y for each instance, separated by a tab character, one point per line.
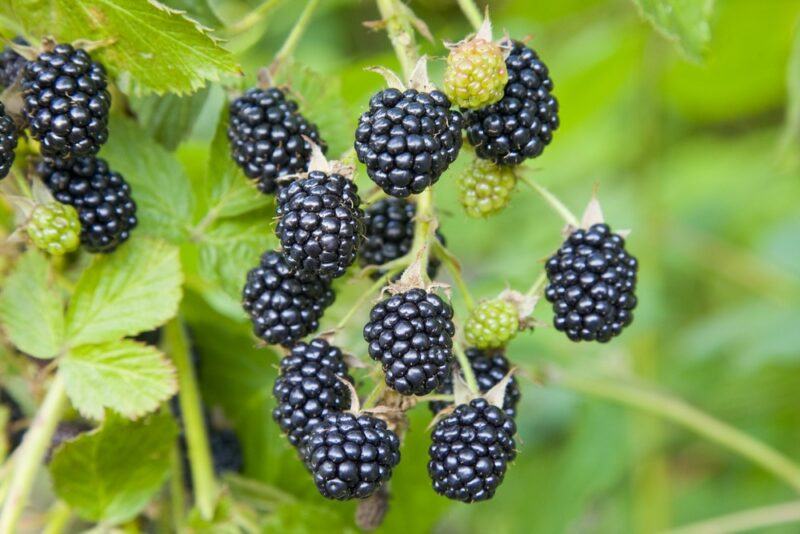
592	285
411	335
11	64
491	324
266	133
308	387
226	451
489	367
102	197
408	139
470	451
8	142
521	124
283	306
485	189
321	224
66	102
350	456
55	228
389	234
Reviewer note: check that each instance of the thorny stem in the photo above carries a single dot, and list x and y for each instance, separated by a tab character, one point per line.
401	34
537	286
553	201
472	12
28	457
420	248
287	49
177	346
455	273
746	520
466	368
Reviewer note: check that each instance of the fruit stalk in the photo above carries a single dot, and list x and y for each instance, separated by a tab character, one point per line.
401	35
553	201
287	49
472	12
466	369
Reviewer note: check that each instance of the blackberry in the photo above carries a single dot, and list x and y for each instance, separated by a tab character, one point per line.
283	305
65	431
66	102
408	139
492	324
266	133
11	64
411	335
389	234
592	285
15	427
521	124
308	387
476	73
321	224
55	228
470	451
489	367
102	197
226	451
8	142
350	456
485	189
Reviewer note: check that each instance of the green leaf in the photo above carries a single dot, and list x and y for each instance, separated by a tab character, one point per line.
684	21
110	474
169	119
128	377
791	135
159	186
153	48
31	310
136	288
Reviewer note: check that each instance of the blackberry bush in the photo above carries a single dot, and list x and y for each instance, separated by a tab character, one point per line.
66	102
470	452
321	224
283	305
55	228
411	335
308	387
102	197
592	285
521	124
350	456
267	135
8	142
407	139
11	64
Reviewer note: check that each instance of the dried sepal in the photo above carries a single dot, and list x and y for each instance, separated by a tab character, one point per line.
419	79
41	194
524	304
496	396
392	79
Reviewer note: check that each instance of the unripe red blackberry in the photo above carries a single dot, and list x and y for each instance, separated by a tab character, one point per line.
592	285
408	139
8	142
492	324
308	387
102	197
470	452
389	234
350	456
521	124
283	305
54	228
66	102
411	335
321	224
485	189
11	64
476	73
489	368
267	133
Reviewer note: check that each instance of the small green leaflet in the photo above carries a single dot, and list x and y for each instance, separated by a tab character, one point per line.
135	289
168	119
110	474
31	310
153	48
683	21
126	376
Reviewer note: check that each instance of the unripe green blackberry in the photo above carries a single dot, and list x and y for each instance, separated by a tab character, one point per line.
492	324
476	74
55	228
485	188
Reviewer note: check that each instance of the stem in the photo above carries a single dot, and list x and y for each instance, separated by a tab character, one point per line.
553	201
28	458
58	518
401	34
747	520
178	498
678	411
472	12
374	395
466	368
437	397
194	426
294	36
424	216
537	286
374	288
455	272
254	17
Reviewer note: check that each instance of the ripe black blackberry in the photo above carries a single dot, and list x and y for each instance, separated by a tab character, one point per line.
489	367
283	305
389	234
321	224
102	197
15	426
521	124
470	451
350	456
308	387
266	133
592	284
8	142
66	102
408	139
11	64
411	335
226	451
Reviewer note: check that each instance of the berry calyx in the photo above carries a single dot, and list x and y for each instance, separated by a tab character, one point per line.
476	73
55	228
485	189
492	324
